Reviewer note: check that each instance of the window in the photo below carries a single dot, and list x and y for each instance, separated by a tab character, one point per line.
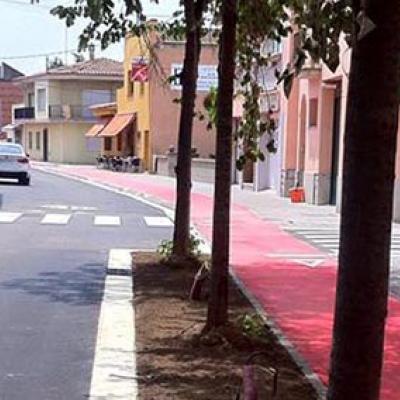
41	100
270	47
37	140
31	100
313	113
107	144
30	141
130	84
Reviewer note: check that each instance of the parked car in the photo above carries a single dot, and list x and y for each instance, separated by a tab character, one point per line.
14	163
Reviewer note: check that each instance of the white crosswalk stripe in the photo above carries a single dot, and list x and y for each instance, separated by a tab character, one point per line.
159	222
328	239
9	217
107	220
56	219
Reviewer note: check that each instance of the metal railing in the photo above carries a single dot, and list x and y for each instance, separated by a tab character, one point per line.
70	112
24	113
58	112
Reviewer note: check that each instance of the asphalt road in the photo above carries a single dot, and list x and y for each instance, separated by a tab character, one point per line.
51	282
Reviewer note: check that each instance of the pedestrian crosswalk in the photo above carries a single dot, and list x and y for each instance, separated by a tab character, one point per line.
58	218
9	217
107	220
327	239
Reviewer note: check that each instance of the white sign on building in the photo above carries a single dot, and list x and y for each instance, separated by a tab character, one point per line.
208	77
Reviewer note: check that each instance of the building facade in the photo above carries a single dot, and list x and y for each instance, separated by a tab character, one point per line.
313	128
147	120
9	95
261	175
56	114
313	119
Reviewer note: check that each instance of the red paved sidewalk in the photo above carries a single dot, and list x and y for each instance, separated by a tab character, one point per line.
299	299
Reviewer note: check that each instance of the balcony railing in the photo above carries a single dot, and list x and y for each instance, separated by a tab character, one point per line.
24	113
57	112
70	112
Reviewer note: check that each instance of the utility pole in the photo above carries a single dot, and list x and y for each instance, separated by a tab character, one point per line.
66	46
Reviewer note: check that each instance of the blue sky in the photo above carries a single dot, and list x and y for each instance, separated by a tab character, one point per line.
27	29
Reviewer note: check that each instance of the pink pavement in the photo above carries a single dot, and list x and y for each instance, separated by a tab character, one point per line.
300	300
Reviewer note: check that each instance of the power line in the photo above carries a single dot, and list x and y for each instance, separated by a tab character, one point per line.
38	55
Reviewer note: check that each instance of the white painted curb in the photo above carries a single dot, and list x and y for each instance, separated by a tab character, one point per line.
114	374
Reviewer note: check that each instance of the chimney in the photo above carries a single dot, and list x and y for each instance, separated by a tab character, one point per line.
91	48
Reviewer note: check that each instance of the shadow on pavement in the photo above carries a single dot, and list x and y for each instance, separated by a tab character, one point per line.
81	287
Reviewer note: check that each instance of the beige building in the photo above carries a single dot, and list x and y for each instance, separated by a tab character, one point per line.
56	114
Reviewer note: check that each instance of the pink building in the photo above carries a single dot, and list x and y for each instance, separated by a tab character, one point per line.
312	127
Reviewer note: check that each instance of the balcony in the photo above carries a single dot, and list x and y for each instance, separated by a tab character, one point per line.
70	113
24	113
56	113
310	69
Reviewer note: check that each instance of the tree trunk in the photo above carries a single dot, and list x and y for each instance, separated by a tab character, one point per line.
218	300
193	15
368	179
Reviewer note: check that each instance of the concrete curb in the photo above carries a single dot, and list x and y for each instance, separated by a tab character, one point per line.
311	376
114	373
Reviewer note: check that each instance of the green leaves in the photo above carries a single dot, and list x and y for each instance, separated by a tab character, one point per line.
210	105
108	22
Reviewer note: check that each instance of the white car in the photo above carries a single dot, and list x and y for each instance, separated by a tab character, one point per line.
14	163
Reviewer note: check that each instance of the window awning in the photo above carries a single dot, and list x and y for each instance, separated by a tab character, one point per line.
10	127
94	130
117	125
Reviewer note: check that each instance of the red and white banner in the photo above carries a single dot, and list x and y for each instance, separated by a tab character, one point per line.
140	71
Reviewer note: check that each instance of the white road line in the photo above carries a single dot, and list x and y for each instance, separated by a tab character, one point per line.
114	373
56	206
319	229
159	222
9	217
120	260
321	235
56	219
107	220
83	208
297	256
320	241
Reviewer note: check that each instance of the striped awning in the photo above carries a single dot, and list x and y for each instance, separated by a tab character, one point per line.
94	130
117	125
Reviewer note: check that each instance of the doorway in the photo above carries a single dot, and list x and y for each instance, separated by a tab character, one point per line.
335	147
45	145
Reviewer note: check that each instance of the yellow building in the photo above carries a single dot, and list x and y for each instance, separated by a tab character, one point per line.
147	120
56	111
128	132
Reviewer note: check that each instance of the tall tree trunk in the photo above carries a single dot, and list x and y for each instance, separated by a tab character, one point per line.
218	300
368	178
193	15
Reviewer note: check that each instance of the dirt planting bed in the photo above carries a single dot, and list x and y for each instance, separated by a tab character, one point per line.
176	362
